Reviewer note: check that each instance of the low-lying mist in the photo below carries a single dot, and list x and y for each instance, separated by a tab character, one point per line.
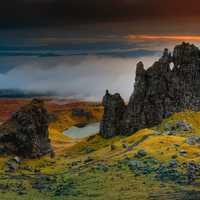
82	77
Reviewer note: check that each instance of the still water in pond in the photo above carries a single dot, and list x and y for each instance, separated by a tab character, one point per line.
88	130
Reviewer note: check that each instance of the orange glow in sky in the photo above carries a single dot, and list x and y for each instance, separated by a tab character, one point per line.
165	37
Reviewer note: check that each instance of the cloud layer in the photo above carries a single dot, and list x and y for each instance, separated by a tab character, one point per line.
86	78
53	12
79	64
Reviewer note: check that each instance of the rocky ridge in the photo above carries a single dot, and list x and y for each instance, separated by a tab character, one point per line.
170	85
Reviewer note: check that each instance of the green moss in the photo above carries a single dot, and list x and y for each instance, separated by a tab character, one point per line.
107	175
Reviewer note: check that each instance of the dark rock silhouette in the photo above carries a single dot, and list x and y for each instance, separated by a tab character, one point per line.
26	133
80	112
159	91
114	108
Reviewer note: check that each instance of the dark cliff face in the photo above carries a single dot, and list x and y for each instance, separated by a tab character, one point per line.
114	108
26	133
162	90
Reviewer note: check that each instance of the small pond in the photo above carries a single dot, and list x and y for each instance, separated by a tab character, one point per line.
88	130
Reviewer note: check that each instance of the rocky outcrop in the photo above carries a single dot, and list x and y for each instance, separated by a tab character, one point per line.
172	84
80	112
26	133
114	108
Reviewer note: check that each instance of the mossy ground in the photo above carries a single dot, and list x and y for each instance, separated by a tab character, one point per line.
89	169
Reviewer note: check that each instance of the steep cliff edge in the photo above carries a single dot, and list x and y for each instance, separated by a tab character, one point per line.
172	84
26	132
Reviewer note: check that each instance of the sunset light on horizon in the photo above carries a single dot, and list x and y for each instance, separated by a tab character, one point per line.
165	37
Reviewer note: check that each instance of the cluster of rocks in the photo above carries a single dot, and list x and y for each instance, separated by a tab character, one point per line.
80	112
18	188
141	153
54	185
193	140
172	84
164	171
172	128
12	164
26	132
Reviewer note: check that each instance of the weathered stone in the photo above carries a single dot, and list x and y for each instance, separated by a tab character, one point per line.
12	164
166	57
172	128
192	140
140	168
183	126
80	112
26	133
185	54
173	163
127	147
17	159
166	173
114	108
159	91
11	167
183	153
192	170
141	153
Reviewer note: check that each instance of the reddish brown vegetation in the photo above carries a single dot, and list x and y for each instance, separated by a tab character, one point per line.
8	106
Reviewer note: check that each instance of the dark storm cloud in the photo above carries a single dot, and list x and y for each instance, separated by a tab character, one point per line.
54	12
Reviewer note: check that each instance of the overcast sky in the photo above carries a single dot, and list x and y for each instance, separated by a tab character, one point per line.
80	48
54	12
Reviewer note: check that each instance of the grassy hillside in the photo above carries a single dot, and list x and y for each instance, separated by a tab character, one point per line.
157	163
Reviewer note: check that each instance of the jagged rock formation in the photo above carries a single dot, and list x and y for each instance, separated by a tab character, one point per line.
161	90
26	133
114	108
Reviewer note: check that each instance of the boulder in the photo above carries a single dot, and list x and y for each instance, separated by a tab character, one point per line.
11	166
183	153
26	132
183	126
193	140
141	153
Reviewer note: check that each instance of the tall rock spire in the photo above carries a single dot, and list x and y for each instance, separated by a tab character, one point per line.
114	108
160	90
